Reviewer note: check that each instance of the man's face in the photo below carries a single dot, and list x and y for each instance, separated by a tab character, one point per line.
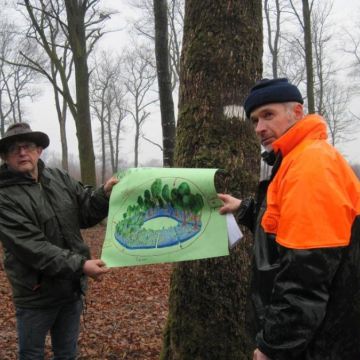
23	156
270	121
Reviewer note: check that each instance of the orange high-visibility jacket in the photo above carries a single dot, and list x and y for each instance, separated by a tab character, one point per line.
306	268
314	197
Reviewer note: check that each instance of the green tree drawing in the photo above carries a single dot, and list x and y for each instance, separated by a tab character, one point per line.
166	194
156	187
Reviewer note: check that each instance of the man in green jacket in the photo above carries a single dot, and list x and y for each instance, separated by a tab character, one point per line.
46	260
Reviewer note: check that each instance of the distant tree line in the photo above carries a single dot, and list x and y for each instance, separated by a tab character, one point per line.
59	41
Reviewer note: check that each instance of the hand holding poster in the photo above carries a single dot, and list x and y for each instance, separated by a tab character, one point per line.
164	215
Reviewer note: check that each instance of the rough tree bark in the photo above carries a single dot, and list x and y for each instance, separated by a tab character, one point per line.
164	81
221	60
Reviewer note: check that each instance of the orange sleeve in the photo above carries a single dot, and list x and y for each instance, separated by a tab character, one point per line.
312	199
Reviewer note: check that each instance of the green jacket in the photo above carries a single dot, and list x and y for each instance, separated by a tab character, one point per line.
40	224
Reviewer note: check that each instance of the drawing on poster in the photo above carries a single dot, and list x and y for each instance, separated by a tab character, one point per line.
160	201
164	215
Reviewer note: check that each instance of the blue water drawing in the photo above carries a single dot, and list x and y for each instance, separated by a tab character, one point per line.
178	204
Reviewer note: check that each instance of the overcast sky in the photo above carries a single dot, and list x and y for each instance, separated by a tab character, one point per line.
42	114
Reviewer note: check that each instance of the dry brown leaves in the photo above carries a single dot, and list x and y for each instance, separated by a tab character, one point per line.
124	317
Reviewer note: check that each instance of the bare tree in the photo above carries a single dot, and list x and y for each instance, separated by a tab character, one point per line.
145	27
321	39
16	83
58	67
119	114
162	23
99	84
294	70
108	106
308	56
176	24
139	77
45	29
332	99
285	48
305	23
273	16
355	51
164	81
273	35
352	48
77	37
342	124
60	28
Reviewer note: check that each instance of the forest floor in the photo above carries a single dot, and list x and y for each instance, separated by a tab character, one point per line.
125	312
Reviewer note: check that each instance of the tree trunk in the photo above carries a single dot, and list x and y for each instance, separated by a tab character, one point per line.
63	138
164	81
308	57
273	45
61	114
221	60
103	149
117	147
75	11
111	143
136	145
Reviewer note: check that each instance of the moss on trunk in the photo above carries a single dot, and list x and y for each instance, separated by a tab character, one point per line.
221	59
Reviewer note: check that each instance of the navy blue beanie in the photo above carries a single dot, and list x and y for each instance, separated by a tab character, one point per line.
268	91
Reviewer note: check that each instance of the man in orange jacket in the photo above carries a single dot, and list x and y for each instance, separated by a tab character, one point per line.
306	225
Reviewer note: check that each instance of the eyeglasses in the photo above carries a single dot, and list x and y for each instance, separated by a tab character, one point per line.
15	149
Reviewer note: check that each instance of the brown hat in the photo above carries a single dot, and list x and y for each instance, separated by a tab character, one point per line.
22	132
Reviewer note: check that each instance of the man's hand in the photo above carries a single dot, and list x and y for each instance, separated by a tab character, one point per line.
109	185
95	268
258	355
231	204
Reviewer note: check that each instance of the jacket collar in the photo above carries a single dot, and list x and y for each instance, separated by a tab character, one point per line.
311	127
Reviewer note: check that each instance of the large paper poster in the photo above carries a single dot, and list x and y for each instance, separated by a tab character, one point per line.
164	215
